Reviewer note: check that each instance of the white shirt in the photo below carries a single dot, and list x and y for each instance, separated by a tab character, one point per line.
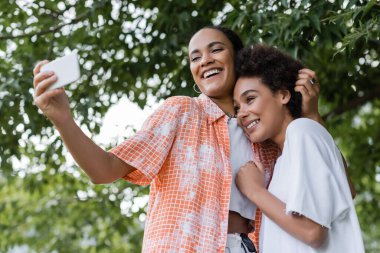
240	153
309	177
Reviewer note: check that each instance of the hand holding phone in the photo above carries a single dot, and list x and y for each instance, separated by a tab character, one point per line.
65	68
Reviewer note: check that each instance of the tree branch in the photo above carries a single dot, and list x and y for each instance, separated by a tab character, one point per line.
49	30
375	93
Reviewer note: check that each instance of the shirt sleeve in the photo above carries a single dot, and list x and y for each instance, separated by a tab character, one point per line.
267	153
148	149
317	182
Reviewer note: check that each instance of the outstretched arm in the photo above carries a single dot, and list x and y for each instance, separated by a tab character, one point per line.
99	165
250	180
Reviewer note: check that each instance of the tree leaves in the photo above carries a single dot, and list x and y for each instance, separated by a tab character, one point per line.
138	49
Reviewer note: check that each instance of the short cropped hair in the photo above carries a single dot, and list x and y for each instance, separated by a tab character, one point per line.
233	37
278	71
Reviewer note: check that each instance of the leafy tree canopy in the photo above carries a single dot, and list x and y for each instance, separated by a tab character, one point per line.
138	49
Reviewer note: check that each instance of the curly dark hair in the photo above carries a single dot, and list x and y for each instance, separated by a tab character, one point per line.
278	71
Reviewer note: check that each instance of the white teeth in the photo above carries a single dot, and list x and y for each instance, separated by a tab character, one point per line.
254	123
211	72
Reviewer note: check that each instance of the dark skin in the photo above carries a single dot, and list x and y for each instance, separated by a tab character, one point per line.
238	224
103	167
211	49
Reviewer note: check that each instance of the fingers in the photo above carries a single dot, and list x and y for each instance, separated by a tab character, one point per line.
308	72
256	164
43	81
308	79
45	96
304	83
41	76
37	68
305	94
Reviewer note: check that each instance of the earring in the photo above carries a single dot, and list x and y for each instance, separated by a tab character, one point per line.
195	89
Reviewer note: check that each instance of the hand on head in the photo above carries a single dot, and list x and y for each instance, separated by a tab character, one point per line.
309	87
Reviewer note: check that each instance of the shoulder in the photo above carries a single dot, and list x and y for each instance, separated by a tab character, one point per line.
178	99
185	103
306	132
305	127
304	123
179	108
181	100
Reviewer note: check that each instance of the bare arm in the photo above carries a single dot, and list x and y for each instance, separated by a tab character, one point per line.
99	165
352	188
297	225
250	180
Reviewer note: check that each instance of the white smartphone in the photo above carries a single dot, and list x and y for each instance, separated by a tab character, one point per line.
65	68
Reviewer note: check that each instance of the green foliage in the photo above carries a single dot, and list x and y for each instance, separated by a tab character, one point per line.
138	49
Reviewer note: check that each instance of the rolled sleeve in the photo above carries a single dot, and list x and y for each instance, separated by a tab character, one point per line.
148	149
317	188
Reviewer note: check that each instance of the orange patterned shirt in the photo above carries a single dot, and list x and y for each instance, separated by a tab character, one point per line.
182	151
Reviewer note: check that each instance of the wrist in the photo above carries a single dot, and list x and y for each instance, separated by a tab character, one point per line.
63	122
256	194
315	116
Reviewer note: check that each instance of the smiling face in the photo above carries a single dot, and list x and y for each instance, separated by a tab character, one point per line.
211	57
261	113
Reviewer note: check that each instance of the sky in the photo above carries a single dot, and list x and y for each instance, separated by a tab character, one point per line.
120	122
121	118
115	126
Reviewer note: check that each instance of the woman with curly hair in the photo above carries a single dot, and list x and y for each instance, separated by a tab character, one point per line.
308	206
